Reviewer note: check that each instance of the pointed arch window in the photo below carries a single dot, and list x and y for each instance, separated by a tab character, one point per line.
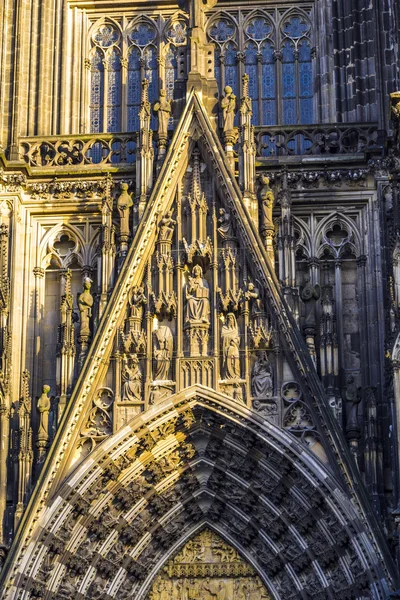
277	56
120	60
297	80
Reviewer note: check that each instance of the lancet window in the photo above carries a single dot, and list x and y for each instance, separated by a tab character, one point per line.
276	53
120	58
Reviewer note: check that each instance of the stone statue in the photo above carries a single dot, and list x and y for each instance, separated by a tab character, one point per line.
352	397
228	105
43	407
230	341
267	203
225	228
310	294
132	380
167	226
163	110
252	294
261	381
136	300
197	298
85	304
163	354
124	204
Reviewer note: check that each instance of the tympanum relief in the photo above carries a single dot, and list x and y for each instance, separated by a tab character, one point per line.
207	568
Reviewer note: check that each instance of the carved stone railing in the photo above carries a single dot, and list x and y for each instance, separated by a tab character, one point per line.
306	140
120	149
79	150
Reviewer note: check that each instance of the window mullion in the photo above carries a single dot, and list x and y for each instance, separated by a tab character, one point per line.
260	88
105	94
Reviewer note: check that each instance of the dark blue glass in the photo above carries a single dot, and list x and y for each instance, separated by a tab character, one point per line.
96	92
296	28
134	89
143	34
171	75
222	31
114	93
231	75
268	84
251	69
258	29
217	67
151	73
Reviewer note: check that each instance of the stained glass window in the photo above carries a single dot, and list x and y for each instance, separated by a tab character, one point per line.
251	66
96	92
268	84
114	93
121	60
134	88
277	56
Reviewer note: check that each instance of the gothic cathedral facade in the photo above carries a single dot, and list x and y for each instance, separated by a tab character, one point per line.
199	300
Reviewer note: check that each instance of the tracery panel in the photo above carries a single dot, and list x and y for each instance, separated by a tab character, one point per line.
146	48
277	55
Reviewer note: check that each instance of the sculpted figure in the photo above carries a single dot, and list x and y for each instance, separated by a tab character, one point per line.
197	298
230	341
124	204
352	397
228	105
225	229
43	407
253	295
136	300
85	303
132	380
262	377
163	110
167	225
267	203
163	353
310	294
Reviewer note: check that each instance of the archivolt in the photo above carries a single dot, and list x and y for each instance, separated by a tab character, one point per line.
199	459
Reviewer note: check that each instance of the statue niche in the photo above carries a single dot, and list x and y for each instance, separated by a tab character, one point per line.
164	303
197	298
230	342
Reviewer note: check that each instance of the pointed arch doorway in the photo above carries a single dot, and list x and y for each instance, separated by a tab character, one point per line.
207	568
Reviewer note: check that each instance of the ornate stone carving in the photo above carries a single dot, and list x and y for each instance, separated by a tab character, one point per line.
230	343
228	107
98	424
43	435
208	568
163	354
262	378
267	203
352	399
163	109
132	379
197	298
124	204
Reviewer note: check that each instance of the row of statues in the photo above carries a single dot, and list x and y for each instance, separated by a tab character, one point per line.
209	589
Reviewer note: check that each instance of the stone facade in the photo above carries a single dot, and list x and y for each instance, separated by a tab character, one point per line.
199	300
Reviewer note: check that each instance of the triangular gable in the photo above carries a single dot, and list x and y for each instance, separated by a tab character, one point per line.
194	124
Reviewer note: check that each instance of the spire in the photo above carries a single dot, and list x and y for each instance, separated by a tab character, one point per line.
247	152
201	71
196	182
145	152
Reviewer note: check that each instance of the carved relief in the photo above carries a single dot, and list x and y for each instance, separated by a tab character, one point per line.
208	568
132	379
98	424
262	377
